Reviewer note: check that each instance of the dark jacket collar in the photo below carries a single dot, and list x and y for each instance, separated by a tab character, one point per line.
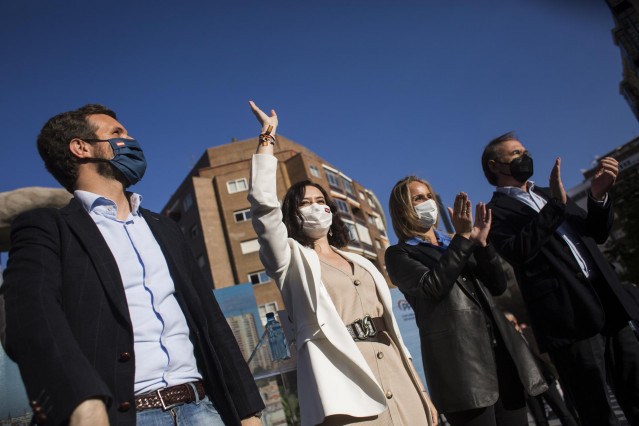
86	231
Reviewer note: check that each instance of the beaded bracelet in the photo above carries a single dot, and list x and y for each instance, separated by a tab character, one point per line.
266	139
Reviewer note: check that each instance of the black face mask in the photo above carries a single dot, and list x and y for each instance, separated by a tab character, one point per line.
521	168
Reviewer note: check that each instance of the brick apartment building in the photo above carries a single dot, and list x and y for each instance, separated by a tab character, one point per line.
211	208
628	157
626	36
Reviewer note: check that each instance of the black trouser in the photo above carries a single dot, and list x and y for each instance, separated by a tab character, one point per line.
489	416
582	367
510	408
556	402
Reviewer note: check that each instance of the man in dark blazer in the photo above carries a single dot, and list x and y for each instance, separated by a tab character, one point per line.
102	336
576	304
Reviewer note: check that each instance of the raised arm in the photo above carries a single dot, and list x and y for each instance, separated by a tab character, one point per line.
600	214
520	245
266	213
489	269
269	126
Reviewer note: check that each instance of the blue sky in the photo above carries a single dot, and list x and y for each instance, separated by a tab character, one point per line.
380	89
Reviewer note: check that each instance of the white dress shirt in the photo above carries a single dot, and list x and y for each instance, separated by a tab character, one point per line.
163	351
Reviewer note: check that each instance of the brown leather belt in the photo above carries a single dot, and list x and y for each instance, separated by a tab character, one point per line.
167	398
365	328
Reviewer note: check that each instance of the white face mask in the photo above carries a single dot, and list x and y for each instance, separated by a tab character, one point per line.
317	220
427	212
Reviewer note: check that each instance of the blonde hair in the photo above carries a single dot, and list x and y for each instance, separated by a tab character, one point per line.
403	215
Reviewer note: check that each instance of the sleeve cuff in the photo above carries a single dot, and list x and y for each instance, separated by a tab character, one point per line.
600	203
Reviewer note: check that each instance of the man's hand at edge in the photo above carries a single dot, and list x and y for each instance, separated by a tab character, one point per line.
252	421
91	412
556	186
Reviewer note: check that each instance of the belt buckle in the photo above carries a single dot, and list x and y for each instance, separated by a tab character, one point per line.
164	406
364	328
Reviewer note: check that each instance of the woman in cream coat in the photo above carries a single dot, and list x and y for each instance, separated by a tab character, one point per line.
339	382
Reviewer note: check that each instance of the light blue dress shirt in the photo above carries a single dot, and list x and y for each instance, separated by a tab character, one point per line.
537	202
163	351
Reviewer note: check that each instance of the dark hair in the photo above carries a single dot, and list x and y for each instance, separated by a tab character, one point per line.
293	219
403	215
53	141
490	153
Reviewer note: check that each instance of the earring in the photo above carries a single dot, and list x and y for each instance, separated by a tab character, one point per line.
330	231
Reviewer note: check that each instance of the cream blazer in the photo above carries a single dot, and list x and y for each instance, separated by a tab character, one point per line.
332	375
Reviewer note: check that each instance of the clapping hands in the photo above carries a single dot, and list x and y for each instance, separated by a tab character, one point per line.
462	219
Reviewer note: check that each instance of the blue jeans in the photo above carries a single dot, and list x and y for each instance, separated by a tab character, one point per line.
197	413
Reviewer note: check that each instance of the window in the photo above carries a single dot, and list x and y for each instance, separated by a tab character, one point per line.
315	171
348	186
371	202
242	215
380	226
258	277
333	178
201	262
352	232
188	201
194	231
342	206
237	185
249	246
378	244
265	309
174	212
362	196
371	219
363	233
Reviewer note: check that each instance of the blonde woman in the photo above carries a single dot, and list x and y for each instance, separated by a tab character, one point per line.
474	361
349	371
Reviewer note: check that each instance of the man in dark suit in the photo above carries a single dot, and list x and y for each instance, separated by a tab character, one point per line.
575	302
107	314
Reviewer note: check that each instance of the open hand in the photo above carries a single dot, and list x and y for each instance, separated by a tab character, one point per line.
461	215
264	119
556	186
483	219
605	176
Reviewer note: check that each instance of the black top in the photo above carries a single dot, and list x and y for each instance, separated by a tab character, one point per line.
450	293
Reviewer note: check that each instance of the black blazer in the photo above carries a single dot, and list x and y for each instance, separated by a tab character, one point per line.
563	305
68	326
454	328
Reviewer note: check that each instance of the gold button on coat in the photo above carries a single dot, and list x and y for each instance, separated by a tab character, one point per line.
357	282
389	395
380	355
